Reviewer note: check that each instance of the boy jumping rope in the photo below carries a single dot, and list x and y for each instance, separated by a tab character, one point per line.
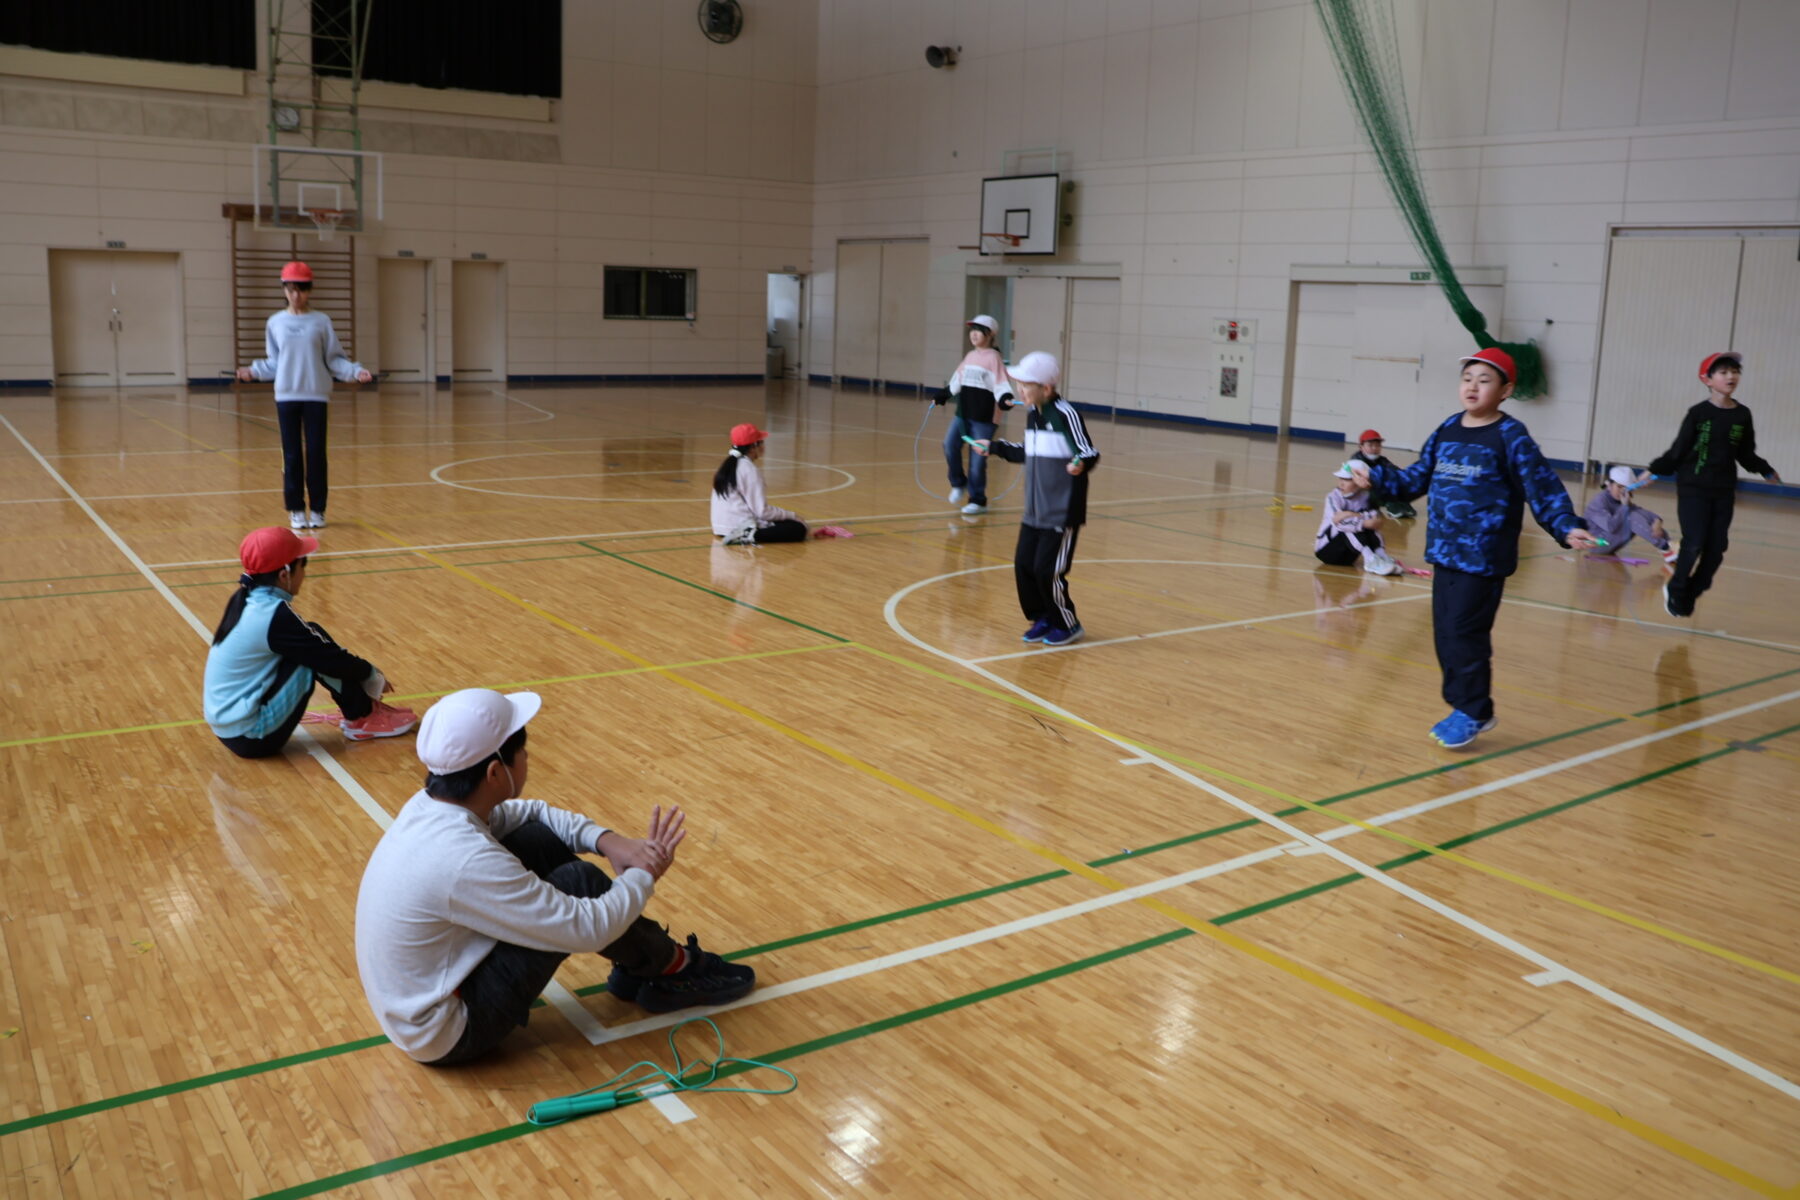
1058	458
1717	436
1481	467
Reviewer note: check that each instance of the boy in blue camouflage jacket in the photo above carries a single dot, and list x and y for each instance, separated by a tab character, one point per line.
1481	467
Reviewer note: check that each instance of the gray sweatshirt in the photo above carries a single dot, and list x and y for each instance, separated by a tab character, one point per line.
439	892
302	355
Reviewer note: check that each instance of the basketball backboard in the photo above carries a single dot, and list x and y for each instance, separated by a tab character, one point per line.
1020	214
310	189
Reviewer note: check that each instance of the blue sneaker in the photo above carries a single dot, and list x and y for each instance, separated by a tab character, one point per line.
1459	729
1062	637
1036	632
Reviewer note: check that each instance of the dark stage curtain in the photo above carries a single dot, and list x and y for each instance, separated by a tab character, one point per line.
211	32
515	47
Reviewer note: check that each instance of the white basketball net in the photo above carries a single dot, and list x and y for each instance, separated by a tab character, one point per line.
326	219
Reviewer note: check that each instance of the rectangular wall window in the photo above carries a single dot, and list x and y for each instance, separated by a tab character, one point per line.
650	294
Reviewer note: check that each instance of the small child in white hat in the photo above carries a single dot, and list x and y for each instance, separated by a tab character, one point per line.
1611	515
1351	527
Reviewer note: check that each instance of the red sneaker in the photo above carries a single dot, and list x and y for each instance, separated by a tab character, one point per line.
386	720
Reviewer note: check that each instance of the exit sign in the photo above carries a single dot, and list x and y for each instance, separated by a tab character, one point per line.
1421	277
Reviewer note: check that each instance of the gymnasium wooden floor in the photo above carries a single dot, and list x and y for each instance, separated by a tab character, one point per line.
1193	908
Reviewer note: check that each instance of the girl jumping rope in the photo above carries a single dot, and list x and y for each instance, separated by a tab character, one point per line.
302	355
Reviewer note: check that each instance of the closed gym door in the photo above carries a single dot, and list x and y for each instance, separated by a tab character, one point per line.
478	322
405	316
115	318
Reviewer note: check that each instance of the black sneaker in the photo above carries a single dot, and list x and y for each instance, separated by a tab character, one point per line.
706	980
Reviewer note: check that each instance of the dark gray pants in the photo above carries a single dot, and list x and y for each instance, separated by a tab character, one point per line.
499	991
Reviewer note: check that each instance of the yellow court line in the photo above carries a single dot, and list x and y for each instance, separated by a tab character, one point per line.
1199	925
219	450
1545	889
527	683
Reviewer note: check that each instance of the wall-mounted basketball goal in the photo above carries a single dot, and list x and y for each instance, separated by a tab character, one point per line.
311	189
1021	214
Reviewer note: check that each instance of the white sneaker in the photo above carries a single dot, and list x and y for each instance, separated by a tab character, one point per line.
1379	563
973	510
315	520
744	535
1671	554
297	520
957	495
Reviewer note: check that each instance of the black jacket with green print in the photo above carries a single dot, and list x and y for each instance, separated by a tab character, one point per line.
1712	444
1054	435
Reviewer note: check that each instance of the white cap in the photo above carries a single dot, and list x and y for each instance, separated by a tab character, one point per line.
467	727
1350	468
1623	476
1036	367
985	322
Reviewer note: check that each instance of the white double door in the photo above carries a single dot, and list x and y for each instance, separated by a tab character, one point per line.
115	318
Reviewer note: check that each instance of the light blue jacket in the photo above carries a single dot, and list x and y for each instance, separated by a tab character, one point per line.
303	354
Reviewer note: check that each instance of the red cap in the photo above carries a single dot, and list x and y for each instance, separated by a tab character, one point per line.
1369	435
1712	360
746	435
296	272
272	548
1497	358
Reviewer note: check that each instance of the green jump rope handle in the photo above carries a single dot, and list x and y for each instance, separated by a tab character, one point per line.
548	1112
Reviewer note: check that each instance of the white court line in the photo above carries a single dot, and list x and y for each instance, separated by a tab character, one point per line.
1484	789
668	1103
556	994
1640	622
1545	963
618	534
1162	633
794	987
350	487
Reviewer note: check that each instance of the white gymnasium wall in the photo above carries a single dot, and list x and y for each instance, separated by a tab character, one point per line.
1212	148
665	150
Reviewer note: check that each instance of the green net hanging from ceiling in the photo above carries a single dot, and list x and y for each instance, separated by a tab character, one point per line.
1367	50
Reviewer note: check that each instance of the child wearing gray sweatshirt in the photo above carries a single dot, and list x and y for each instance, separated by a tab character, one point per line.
301	357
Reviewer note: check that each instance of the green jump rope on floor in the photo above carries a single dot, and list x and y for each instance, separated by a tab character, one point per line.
627	1087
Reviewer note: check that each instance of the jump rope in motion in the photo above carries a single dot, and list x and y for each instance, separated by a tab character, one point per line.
919	436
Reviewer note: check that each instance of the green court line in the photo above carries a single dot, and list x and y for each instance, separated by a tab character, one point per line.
129	1098
855	1033
186	1085
882	1025
713	592
1514	822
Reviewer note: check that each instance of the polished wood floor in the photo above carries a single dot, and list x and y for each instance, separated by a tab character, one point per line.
1193	908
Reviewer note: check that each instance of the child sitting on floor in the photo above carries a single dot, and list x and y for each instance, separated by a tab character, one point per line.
1612	517
1351	528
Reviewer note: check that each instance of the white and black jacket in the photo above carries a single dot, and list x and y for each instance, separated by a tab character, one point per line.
1054	436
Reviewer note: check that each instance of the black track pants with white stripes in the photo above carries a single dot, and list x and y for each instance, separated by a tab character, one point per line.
1041	568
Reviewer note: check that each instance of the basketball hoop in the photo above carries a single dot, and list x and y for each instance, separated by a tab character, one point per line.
326	220
1006	239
